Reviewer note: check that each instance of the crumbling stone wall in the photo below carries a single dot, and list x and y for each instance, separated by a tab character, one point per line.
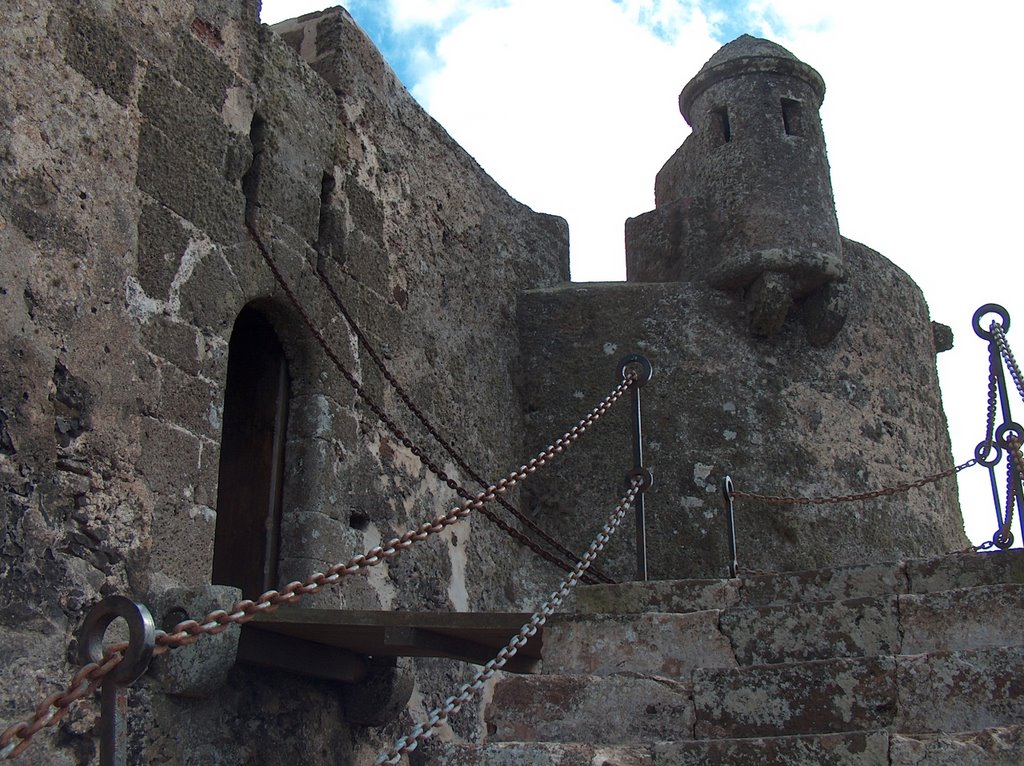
136	139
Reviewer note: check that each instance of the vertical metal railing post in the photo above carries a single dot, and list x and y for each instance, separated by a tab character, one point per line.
646	372
730	521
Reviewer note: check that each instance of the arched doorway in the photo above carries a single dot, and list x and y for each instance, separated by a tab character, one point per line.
249	487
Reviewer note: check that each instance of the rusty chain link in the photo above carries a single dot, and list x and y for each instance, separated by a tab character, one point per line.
17	737
390	424
423	731
895	490
444	443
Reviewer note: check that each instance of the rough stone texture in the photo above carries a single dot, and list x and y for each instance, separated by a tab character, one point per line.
961	690
534	754
848	749
779	416
138	140
671	645
829	584
949	572
858	628
677	596
134	138
557	708
967	618
1002	746
194	671
747	197
804	698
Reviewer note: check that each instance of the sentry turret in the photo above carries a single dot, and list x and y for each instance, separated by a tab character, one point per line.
745	204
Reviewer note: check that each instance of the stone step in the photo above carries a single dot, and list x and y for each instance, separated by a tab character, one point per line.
818	585
674	645
823	697
961	691
534	754
866	748
650	644
966	690
1002	746
609	710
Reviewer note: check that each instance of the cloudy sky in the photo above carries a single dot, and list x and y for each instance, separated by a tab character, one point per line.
571	106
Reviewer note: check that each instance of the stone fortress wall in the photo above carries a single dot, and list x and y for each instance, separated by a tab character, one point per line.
138	139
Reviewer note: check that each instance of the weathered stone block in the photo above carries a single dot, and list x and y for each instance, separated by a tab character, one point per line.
677	596
671	645
579	709
195	191
194	670
186	120
318	536
99	51
965	618
829	584
533	754
212	297
176	342
804	698
862	748
202	72
799	632
162	243
992	747
197	404
947	572
170	455
961	691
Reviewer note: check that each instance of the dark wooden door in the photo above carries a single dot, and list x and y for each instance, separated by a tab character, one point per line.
247	537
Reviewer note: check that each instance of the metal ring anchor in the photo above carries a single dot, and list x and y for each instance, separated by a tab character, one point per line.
1006	430
141	637
645	475
989	308
985	456
646	368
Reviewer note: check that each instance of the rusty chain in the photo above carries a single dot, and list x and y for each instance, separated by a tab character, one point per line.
444	443
423	731
390	424
895	490
17	737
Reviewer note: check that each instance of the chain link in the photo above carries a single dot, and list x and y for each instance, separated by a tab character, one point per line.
1011	363
17	737
898	489
390	424
423	731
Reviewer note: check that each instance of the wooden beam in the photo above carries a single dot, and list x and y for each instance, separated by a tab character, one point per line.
469	636
266	649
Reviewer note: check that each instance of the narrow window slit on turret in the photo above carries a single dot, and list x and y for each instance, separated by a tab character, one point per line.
791	118
720	118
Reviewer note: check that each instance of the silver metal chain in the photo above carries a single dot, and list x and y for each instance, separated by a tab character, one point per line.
1007	354
423	731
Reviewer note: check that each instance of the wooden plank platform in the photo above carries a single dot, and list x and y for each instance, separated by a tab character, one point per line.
474	637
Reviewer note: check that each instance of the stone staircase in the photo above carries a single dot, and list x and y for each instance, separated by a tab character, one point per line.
918	663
